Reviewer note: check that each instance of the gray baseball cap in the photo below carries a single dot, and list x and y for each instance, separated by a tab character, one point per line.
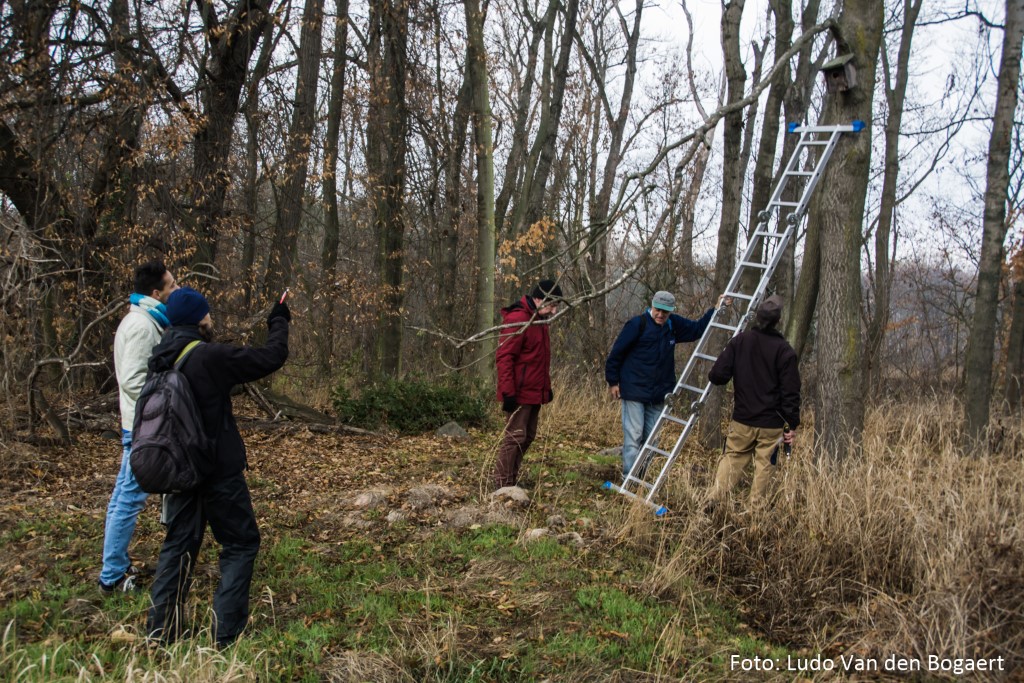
664	301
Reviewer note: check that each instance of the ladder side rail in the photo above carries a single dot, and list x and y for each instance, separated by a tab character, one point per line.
669	461
819	170
791	169
645	453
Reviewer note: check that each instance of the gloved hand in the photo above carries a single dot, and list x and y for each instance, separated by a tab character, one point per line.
280	310
508	404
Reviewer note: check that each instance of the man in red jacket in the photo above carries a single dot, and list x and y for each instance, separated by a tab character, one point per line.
523	360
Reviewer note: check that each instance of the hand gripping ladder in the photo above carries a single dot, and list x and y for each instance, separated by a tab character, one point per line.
765	249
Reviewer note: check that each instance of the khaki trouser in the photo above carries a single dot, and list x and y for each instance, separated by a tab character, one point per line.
743	444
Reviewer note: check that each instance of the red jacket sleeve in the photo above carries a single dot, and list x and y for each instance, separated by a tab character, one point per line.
510	345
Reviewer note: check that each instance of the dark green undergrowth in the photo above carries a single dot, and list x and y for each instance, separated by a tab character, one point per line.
411	405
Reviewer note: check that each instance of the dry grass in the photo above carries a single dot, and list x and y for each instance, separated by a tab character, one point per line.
915	549
582	408
140	662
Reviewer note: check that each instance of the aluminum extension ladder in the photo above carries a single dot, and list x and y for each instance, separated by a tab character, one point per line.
763	253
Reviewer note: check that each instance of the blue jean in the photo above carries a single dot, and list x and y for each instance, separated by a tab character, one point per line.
126	502
638	421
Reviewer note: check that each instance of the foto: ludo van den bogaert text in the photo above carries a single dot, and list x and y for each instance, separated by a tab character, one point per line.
856	663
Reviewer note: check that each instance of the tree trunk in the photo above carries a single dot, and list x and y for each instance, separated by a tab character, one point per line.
450	294
895	96
764	164
530	208
386	145
839	404
800	300
476	68
733	172
250	189
284	243
332	140
231	44
1015	350
980	343
597	240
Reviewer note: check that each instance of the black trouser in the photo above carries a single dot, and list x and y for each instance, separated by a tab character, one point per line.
224	504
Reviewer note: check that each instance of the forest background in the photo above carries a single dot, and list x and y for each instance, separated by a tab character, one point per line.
406	168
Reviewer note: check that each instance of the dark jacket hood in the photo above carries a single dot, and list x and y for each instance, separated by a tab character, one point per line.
174	340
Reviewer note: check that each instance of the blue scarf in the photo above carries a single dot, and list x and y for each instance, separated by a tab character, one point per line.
150	305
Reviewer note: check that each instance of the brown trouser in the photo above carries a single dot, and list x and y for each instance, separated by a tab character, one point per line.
743	444
520	430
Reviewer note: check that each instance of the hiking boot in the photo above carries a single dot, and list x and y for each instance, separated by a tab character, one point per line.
129	583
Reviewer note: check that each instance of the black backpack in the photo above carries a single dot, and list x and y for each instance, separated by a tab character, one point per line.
171	452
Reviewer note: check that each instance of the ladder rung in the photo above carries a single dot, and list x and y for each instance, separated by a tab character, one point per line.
723	326
658	451
801	173
690	387
673	418
815	142
706	356
765	233
752	264
628	479
854	127
737	295
780	203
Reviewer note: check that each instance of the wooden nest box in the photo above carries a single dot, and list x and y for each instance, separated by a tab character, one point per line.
840	74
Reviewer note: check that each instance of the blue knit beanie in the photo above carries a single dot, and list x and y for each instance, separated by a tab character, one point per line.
186	306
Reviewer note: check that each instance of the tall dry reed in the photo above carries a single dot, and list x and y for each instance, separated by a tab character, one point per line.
915	548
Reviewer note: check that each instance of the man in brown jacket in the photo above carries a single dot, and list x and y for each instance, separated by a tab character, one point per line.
765	373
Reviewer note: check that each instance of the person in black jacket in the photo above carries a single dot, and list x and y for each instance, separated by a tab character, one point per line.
223	500
765	373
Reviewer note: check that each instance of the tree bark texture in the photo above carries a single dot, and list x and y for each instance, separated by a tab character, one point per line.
839	404
387	144
476	68
895	95
284	243
231	43
981	342
733	174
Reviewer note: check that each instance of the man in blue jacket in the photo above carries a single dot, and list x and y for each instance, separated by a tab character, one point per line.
641	367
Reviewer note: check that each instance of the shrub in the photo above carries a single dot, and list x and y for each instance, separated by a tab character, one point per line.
411	406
